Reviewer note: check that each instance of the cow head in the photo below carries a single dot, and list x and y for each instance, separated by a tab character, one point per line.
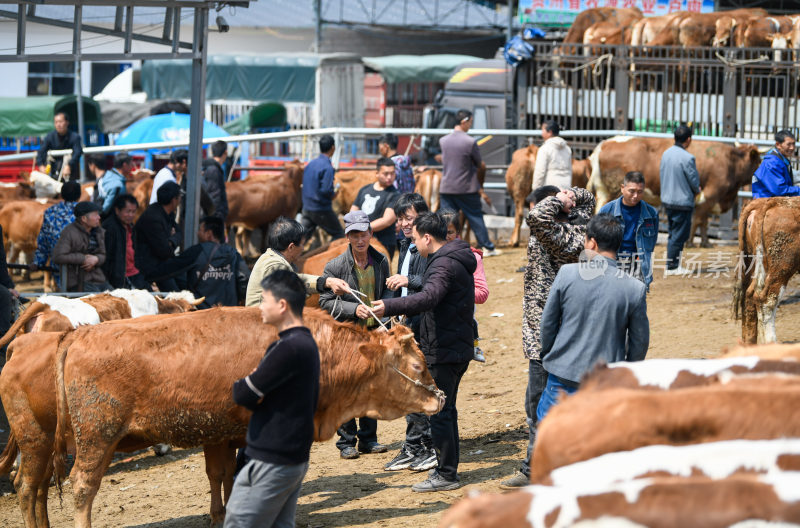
746	159
725	27
178	302
405	381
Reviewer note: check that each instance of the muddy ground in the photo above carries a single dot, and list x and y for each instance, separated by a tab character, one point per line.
689	317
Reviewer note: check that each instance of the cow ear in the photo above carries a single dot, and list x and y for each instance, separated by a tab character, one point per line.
372	350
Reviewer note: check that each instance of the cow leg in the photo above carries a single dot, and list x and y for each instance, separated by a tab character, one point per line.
515	235
750	319
704	241
91	463
31	477
220	466
42	518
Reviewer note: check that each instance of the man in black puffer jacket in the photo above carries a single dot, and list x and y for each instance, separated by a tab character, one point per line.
447	303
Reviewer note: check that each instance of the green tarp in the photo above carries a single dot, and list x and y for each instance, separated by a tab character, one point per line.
417	68
33	116
239	77
265	115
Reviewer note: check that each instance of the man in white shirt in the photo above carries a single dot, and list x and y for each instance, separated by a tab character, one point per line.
178	160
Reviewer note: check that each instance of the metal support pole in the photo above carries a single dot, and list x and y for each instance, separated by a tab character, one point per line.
510	28
621	90
317	25
729	102
196	127
81	123
337	154
76	50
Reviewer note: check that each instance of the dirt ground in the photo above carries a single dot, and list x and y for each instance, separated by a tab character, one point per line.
689	317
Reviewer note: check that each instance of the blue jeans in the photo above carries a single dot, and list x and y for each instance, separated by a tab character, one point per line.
537	380
470	204
680	225
552	391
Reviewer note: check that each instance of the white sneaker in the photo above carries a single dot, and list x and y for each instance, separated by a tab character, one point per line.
492	252
680	270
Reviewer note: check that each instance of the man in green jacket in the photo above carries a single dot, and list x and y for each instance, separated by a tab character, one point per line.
285	246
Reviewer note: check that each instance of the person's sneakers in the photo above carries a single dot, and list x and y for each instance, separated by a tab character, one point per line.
349	453
477	355
401	461
161	449
372	447
435	482
680	270
519	480
424	460
492	252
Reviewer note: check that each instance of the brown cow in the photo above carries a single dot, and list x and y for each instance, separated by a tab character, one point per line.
427	186
625	419
52	313
588	17
519	178
660	502
689	29
606	34
723	169
255	204
350	182
768	257
20	190
768	352
376	374
21	221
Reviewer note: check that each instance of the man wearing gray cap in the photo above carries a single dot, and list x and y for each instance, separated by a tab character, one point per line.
82	248
365	270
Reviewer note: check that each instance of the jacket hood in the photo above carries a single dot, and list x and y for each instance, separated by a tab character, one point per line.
459	251
558	142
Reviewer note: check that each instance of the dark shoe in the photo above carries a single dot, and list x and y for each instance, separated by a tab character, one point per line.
435	482
424	461
519	480
349	453
401	461
372	447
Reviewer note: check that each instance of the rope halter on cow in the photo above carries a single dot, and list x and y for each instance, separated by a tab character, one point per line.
439	393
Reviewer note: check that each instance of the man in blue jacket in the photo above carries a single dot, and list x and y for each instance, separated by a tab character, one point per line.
640	228
774	176
282	391
318	192
680	183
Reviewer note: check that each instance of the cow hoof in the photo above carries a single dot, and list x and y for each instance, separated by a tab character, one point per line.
706	245
689	245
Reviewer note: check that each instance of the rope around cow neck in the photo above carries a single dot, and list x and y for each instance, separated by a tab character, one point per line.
356	295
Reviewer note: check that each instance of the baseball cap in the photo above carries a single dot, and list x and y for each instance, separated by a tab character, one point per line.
356	221
84	208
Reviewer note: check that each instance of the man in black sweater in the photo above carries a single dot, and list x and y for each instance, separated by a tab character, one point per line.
282	392
447	303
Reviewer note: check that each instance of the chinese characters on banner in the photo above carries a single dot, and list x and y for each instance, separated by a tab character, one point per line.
564	11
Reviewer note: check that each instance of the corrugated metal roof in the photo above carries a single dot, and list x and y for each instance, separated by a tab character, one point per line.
300	13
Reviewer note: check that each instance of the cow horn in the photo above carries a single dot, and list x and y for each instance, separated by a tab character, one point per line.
764	150
198	302
406	337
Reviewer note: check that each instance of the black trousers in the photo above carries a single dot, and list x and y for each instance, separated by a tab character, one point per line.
444	424
366	432
327	220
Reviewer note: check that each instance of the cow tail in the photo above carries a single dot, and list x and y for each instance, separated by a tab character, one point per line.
741	282
62	412
33	310
9	455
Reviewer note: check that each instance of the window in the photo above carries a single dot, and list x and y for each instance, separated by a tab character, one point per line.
51	78
479	118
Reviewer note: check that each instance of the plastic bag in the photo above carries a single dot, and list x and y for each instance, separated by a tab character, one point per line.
517	51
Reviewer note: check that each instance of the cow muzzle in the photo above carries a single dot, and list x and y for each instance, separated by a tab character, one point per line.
440	395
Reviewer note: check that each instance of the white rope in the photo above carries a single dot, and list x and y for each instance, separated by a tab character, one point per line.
740	62
597	67
356	295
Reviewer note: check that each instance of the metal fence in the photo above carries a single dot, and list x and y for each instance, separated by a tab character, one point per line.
748	93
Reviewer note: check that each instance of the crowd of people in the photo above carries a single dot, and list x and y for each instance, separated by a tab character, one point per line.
572	255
